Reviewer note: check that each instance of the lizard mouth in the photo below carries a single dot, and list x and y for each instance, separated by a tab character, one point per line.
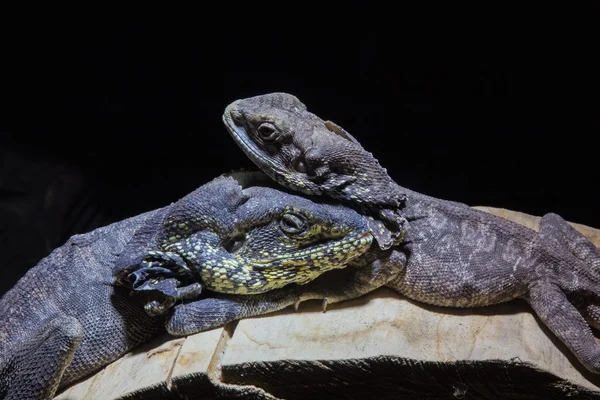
244	275
267	164
354	243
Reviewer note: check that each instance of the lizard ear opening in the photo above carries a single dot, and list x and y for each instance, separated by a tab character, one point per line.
338	130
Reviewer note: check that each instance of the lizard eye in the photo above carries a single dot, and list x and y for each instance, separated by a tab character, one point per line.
267	132
293	224
301	166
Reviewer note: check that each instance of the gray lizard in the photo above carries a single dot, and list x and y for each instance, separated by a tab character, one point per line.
267	129
456	256
74	312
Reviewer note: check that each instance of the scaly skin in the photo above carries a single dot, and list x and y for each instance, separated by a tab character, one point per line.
304	153
70	314
263	241
456	256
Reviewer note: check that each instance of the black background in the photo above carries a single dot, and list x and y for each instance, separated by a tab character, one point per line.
500	112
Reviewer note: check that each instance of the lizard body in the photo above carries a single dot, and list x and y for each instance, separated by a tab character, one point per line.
75	311
455	255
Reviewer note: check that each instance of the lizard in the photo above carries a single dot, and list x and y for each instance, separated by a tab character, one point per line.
83	306
456	256
266	129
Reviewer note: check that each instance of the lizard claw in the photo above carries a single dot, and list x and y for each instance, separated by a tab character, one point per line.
297	304
324	304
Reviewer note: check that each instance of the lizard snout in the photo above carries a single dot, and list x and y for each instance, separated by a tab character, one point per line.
234	114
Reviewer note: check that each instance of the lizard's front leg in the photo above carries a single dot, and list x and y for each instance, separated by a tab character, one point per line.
335	286
213	312
554	229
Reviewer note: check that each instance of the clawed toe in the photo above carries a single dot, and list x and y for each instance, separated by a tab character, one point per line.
297	304
324	304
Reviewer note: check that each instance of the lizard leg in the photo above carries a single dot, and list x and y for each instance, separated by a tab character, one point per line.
212	312
556	232
553	227
33	370
335	286
363	280
564	320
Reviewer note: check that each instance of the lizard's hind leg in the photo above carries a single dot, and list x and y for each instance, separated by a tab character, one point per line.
34	368
570	292
554	228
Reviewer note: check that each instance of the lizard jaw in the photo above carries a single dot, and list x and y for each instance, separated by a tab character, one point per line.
266	163
249	148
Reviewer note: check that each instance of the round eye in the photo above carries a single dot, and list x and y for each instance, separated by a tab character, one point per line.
301	166
267	131
293	224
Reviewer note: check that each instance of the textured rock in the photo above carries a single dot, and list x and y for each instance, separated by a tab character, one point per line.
145	369
449	349
379	346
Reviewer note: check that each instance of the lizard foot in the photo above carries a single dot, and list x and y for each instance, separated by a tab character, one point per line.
555	310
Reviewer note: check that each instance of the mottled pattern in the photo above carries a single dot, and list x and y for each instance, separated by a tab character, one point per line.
455	255
70	315
461	257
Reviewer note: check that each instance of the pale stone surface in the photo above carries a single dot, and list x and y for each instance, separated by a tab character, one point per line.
529	221
384	323
197	352
83	390
150	365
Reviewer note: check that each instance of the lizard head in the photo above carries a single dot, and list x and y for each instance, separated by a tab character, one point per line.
301	151
246	241
305	153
